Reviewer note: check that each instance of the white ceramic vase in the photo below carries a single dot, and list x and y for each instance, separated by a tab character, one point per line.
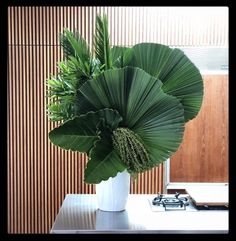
112	195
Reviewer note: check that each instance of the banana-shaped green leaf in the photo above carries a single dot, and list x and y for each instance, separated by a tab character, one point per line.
104	161
156	117
80	133
179	75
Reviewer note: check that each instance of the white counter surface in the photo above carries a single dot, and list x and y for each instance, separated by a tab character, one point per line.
79	214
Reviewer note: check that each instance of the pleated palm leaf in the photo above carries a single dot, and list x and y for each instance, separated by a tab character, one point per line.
128	122
130	114
180	77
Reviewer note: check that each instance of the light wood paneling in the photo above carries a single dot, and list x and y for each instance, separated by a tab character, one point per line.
203	154
179	26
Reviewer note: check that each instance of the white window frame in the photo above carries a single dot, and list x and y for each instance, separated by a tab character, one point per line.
183	185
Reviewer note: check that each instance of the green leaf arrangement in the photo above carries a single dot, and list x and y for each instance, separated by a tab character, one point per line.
126	108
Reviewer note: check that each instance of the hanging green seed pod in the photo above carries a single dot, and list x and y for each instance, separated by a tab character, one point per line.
130	149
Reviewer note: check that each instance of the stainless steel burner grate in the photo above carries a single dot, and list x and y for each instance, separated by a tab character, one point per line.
171	202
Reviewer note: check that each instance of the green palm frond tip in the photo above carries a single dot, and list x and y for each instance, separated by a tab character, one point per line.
131	150
102	47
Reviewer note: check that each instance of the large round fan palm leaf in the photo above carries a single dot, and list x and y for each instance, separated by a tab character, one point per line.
180	77
156	117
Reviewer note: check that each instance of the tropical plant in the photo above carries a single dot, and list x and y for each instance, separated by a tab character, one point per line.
126	108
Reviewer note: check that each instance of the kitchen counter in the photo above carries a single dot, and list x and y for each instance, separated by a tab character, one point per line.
79	214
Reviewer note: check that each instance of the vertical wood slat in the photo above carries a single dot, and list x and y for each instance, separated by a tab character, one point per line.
31	123
24	96
39	174
10	128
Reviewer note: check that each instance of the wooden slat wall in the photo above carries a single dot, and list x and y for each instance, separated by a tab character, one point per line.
40	174
203	154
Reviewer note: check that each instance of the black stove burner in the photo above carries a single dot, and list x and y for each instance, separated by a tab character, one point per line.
171	203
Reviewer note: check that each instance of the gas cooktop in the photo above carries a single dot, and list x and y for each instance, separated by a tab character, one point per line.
178	202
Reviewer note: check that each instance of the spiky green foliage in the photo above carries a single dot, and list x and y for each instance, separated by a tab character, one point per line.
62	97
101	42
73	44
78	67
